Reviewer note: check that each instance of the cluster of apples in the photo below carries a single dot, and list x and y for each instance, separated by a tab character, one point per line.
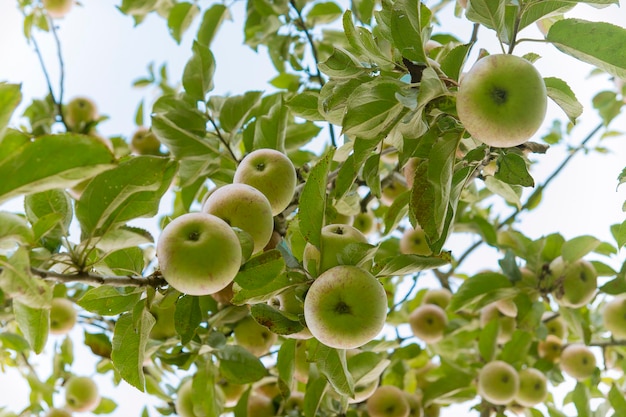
200	253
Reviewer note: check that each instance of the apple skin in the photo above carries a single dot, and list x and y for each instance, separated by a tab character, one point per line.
388	401
80	113
428	322
198	254
502	100
438	296
272	173
506	324
415	404
498	382
392	190
81	394
245	207
164	327
550	348
62	316
365	222
144	142
413	242
614	317
432	410
575	283
260	406
533	387
252	336
57	9
345	307
232	392
555	325
578	361
334	239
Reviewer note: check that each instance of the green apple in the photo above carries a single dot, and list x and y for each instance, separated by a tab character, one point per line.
555	324
302	365
145	142
62	316
232	392
506	324
614	317
365	222
225	295
294	405
392	189
291	303
502	100
550	348
57	9
415	404
58	412
414	242
575	282
80	114
388	401
428	322
198	253
260	406
334	239
578	361
498	382
184	400
533	387
164	327
432	410
438	296
255	338
81	394
272	173
245	207
345	307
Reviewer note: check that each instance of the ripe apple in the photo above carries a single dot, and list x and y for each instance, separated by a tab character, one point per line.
533	387
198	253
438	296
252	336
272	173
365	222
614	316
388	401
498	382
334	239
345	307
145	142
428	322
245	207
506	324
260	406
502	100
62	316
578	361
575	282
550	348
80	114
81	394
413	241
58	412
392	190
57	9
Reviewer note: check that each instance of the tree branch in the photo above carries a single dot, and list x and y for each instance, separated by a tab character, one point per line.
154	280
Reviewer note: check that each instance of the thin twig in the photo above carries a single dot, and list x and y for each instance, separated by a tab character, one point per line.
154	280
222	139
59	103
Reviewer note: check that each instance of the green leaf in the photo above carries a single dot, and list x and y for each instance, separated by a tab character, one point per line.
187	317
235	110
105	406
239	366
130	337
322	13
396	212
270	129
504	190
264	293
364	43
407	29
212	19
180	18
54	209
617	400
313	200
123	237
619	233
260	270
49	162
512	169
313	396
490	13
205	398
109	301
137	7
341	64
305	105
564	97
14	229
582	400
133	189
17	281
481	288
488	340
452	62
578	247
332	363
10	98
99	343
274	320
409	264
596	43
198	72
286	363
34	322
516	349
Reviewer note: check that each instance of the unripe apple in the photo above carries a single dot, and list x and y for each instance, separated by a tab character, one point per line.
302	365
188	250
365	222
550	348
57	9
245	207
58	412
428	322
184	400
334	239
388	401
438	296
80	113
415	405
392	190
578	361
260	406
294	405
506	324
502	100
345	307
81	394
164	327
614	316
232	392
252	336
432	410
145	142
498	382
225	295
291	303
533	387
555	324
414	242
575	282
272	173
62	316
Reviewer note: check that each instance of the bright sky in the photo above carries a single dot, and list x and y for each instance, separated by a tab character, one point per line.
104	53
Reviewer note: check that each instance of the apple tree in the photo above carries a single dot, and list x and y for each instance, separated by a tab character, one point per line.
309	261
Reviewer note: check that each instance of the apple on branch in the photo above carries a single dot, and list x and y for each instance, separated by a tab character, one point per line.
81	394
498	382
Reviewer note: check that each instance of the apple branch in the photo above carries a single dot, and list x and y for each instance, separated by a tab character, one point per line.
222	139
61	71
154	280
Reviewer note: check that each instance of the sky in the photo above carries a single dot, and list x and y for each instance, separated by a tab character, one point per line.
103	53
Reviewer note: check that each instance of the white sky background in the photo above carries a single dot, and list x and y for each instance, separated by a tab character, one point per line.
104	53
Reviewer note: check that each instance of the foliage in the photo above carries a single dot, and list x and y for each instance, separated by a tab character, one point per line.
360	93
